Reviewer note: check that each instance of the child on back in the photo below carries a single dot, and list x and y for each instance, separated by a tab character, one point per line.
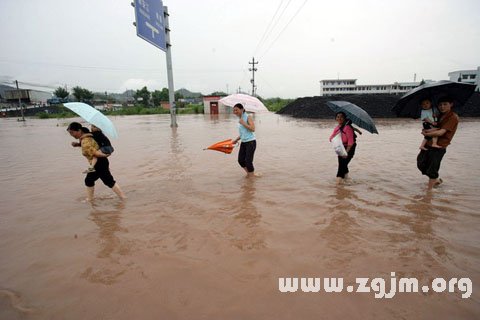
428	119
104	146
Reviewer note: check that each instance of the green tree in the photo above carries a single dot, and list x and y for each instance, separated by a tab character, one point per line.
159	96
143	96
61	93
82	94
87	95
218	93
276	104
164	94
178	96
77	93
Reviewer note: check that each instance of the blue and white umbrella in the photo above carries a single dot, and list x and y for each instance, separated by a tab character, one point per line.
353	112
93	116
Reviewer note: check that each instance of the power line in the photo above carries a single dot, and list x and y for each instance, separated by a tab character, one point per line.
281	32
268	27
149	70
54	87
271	87
29	84
277	20
78	67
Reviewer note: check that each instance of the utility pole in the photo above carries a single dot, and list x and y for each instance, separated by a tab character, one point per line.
20	101
253	69
171	90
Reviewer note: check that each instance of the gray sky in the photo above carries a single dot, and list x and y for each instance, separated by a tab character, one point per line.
93	44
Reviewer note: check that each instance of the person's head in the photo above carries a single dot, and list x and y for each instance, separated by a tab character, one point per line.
445	104
238	109
426	104
341	118
75	130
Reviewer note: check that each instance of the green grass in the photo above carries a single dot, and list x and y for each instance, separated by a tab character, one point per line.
275	104
126	111
61	115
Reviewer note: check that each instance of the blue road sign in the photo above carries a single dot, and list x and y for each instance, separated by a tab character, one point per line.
150	22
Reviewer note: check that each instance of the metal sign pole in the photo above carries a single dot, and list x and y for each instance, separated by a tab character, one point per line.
151	21
20	101
171	90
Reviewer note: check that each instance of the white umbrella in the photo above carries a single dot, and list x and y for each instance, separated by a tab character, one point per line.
250	104
93	116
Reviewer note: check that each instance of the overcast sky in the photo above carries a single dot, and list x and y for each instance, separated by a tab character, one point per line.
93	43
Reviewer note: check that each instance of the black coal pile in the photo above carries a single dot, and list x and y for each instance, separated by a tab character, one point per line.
376	105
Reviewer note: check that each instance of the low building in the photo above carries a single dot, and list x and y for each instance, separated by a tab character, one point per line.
466	76
212	105
28	96
349	86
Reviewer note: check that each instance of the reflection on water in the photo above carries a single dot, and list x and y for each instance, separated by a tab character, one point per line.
195	234
111	245
250	235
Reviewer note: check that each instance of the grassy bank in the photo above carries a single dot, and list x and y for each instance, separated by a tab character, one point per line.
276	104
272	104
127	111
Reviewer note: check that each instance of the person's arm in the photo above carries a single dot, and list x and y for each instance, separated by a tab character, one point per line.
349	133
335	131
236	140
350	140
76	144
448	125
357	130
250	125
100	154
434	132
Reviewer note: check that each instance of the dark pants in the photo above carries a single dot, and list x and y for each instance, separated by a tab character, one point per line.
428	161
102	171
343	162
245	155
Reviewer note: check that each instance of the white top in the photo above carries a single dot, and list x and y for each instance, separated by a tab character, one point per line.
427	114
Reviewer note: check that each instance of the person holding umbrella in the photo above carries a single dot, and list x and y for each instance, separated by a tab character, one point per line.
345	128
347	113
246	128
90	149
428	161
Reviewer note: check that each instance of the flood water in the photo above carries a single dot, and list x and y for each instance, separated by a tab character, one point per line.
197	240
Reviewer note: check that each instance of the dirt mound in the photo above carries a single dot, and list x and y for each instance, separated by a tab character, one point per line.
377	106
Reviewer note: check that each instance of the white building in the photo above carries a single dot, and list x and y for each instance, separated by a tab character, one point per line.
466	76
349	86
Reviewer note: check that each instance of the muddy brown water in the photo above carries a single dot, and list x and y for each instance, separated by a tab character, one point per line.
196	240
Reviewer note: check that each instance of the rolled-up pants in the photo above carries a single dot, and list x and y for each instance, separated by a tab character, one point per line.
428	161
245	155
343	162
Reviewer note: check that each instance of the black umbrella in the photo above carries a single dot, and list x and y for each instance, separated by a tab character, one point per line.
409	104
353	112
